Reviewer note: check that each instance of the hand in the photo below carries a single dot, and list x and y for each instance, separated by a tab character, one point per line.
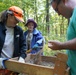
2	61
21	60
35	46
28	51
55	45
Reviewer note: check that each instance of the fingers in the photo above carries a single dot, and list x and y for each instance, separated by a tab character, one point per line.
49	44
52	41
52	44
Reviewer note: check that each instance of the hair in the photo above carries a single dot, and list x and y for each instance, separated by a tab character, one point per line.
57	1
4	16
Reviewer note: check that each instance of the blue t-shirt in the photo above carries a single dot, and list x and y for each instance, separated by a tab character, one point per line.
71	34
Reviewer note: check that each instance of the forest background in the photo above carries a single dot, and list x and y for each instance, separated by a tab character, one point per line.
52	26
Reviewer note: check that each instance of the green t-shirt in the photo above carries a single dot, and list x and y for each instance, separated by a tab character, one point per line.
71	34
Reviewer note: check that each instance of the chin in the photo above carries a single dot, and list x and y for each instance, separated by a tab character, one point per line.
13	26
67	17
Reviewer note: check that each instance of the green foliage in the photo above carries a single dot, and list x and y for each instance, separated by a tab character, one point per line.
36	9
48	51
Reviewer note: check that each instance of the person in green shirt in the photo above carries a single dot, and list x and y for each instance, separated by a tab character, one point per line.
67	9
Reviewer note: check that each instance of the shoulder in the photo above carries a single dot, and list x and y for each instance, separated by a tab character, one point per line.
2	26
36	31
18	28
25	33
73	14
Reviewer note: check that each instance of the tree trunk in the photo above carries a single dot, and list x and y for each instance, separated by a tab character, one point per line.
47	16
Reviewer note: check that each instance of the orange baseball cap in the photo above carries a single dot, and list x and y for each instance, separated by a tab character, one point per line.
18	13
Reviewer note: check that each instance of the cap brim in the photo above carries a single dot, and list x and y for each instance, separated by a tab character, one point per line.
20	19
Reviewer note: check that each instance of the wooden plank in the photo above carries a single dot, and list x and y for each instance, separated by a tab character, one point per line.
43	58
30	69
49	58
60	64
46	58
34	69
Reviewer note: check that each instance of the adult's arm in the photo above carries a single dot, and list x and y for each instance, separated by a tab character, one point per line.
56	45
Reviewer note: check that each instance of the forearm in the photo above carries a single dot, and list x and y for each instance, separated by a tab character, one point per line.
71	44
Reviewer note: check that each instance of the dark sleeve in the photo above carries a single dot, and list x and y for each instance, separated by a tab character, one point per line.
22	45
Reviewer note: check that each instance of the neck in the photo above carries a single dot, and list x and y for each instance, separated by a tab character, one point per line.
70	4
30	31
69	13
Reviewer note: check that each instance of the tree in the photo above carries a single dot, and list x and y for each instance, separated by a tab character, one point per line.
47	16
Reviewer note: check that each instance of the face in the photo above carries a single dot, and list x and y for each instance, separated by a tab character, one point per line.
56	8
11	21
30	26
61	9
